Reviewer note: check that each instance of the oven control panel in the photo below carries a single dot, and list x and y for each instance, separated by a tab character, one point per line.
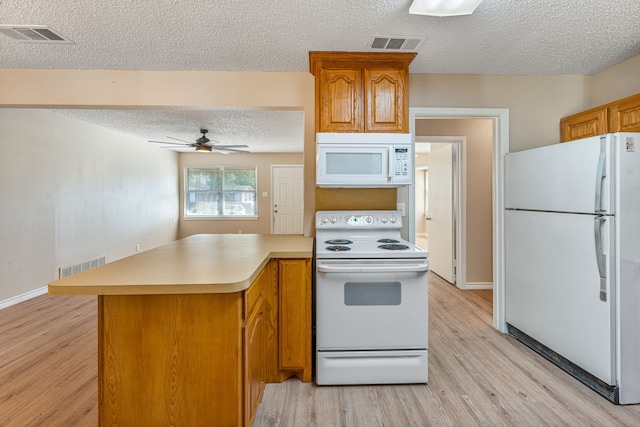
359	219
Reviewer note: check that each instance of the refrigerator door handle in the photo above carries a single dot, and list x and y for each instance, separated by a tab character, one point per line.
600	256
600	176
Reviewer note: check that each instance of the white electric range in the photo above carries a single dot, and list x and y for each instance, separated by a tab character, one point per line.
371	300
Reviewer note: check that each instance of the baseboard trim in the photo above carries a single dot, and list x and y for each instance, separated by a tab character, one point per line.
24	297
475	286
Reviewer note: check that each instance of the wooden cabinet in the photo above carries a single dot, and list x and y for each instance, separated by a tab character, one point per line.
385	100
622	115
254	360
203	359
295	318
254	344
361	91
585	124
169	360
342	109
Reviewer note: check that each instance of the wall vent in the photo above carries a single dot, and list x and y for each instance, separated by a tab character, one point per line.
396	43
83	266
33	34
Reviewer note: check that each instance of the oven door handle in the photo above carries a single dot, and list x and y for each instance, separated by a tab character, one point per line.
366	268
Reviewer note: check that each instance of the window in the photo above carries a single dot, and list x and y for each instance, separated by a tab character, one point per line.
220	192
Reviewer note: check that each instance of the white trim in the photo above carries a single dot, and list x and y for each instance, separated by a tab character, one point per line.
475	286
24	297
500	117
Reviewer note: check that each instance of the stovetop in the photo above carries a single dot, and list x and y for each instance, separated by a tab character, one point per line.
362	234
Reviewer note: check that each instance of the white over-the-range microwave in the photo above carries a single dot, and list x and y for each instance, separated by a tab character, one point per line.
363	159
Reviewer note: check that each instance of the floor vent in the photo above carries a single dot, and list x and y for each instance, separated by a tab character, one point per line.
33	34
83	266
396	43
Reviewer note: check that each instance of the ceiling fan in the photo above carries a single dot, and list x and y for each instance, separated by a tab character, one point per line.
203	144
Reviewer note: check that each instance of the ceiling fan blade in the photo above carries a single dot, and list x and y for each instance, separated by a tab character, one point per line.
226	148
172	143
178	139
231	146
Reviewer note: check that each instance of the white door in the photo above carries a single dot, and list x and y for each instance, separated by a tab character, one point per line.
441	211
288	190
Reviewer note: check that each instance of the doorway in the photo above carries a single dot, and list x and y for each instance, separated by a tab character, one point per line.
500	146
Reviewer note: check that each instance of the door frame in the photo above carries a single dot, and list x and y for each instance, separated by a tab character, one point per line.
500	118
272	200
459	203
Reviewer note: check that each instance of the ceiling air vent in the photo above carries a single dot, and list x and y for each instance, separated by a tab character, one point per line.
33	34
396	43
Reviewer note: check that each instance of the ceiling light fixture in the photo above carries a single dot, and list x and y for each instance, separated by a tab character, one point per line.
203	148
443	7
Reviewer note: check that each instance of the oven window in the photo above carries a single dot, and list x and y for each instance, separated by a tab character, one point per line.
372	293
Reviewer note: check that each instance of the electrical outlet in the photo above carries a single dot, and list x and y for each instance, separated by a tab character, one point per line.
137	247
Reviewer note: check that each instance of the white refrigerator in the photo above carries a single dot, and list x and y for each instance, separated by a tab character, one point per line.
573	258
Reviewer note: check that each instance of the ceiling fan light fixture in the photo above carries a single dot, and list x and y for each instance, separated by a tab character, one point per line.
442	8
203	148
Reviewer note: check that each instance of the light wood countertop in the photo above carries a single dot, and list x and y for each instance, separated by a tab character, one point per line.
198	264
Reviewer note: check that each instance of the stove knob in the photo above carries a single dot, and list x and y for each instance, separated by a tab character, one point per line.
334	220
384	219
368	219
324	220
393	220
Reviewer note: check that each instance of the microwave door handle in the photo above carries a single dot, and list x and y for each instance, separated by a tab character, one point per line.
390	166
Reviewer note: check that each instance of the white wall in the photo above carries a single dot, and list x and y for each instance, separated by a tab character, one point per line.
535	103
72	192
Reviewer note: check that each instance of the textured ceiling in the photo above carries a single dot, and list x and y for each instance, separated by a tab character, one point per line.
528	37
264	131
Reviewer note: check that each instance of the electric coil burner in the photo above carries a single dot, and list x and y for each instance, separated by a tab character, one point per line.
371	300
387	241
339	242
394	247
338	248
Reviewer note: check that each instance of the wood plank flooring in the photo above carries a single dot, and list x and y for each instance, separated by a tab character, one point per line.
477	376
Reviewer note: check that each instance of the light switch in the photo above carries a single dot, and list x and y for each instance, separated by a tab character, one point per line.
265	194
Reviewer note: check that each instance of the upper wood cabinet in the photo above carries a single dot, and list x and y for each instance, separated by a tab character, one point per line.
619	116
624	115
361	91
585	124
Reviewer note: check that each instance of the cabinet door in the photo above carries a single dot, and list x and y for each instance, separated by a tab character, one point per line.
582	125
295	317
385	100
339	102
625	115
254	360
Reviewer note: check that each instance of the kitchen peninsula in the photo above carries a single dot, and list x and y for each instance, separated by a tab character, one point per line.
189	332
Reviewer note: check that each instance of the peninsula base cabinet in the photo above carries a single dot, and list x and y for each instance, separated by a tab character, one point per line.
202	359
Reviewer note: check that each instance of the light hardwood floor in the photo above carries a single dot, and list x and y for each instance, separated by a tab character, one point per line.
477	376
